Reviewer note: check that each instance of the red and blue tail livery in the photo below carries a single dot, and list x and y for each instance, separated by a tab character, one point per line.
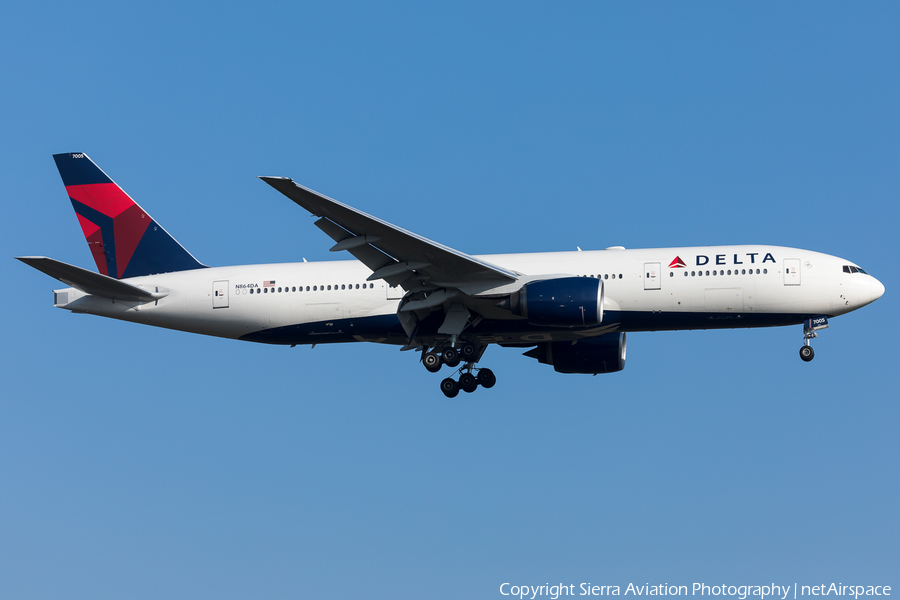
124	240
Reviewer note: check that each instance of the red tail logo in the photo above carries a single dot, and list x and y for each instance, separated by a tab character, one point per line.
677	263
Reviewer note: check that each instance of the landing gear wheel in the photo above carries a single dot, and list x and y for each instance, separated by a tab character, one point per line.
468	351
468	383
432	362
450	357
806	353
450	388
486	378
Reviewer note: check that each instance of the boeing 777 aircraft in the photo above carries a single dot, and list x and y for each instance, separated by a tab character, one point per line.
570	310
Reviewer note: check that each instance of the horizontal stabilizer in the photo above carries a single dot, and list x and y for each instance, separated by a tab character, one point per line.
89	281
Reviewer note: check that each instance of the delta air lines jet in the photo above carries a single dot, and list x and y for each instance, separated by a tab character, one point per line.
570	310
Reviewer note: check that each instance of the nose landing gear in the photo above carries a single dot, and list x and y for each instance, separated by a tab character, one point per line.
810	326
806	352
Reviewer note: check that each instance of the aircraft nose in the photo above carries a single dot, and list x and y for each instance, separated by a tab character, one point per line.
877	289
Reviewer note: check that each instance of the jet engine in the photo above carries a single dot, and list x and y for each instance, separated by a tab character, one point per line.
560	302
604	354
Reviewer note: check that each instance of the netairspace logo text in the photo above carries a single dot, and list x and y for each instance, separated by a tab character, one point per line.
741	592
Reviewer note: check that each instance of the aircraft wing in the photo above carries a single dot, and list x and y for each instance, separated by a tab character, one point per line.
394	254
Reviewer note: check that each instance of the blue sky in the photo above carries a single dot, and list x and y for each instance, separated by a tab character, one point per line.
145	463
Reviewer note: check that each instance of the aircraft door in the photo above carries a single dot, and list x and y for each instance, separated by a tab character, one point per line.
651	276
792	271
220	294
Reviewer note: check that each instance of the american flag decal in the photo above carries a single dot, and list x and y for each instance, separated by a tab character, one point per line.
269	283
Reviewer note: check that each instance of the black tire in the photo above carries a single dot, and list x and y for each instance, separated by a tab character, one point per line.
468	351
450	357
468	383
486	378
450	388
432	362
807	353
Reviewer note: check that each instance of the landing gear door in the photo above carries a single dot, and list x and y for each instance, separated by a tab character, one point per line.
792	271
220	294
651	276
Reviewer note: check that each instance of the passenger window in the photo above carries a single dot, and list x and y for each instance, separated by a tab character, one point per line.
765	271
671	274
685	273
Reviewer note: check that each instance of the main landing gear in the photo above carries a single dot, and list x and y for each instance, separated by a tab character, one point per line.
468	381
469	376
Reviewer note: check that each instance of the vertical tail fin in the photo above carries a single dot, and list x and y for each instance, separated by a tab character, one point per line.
124	240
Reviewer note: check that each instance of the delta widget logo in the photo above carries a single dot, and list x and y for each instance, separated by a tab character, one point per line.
677	263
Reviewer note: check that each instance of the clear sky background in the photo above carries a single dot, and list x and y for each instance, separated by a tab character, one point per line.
144	463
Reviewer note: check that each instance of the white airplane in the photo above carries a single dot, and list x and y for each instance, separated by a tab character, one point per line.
571	309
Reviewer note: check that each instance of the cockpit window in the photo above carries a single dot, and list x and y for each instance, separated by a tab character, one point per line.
861	271
846	268
854	269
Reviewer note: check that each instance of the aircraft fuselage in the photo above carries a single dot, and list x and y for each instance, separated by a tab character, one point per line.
708	287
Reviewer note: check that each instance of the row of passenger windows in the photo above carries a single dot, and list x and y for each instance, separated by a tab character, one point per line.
350	286
721	272
314	288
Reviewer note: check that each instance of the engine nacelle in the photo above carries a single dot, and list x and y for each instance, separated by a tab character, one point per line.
560	302
604	354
